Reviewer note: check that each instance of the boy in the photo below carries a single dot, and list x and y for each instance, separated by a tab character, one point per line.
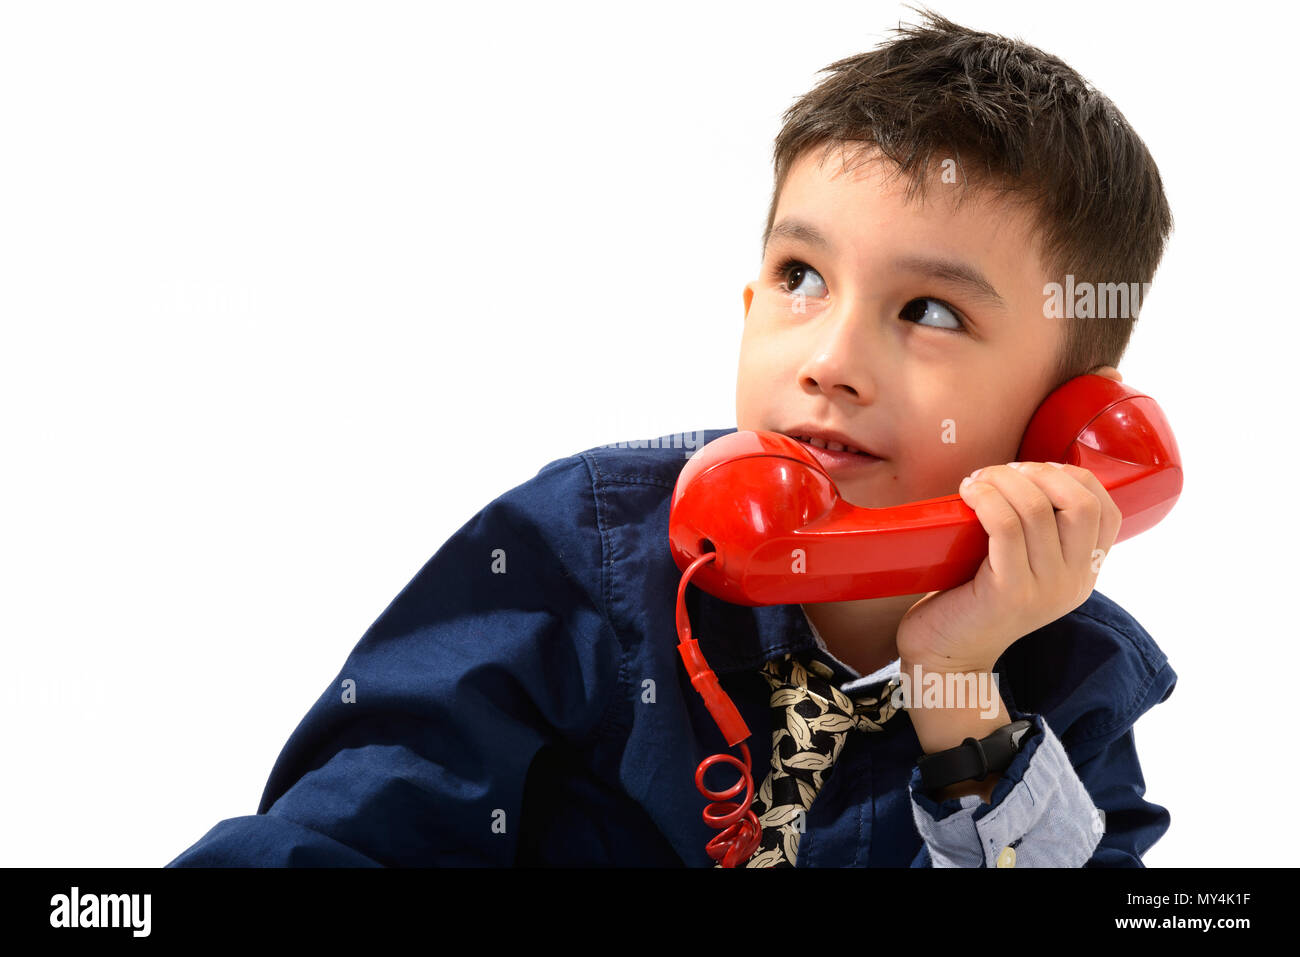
521	701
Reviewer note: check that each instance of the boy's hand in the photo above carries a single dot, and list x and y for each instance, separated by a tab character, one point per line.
1049	526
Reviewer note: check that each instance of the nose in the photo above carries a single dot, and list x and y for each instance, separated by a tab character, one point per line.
837	364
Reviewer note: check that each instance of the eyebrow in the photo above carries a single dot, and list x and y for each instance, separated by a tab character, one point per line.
949	270
800	231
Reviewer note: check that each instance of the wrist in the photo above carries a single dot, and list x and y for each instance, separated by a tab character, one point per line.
938	729
976	765
948	706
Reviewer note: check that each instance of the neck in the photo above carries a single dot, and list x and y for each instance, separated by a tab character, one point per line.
862	633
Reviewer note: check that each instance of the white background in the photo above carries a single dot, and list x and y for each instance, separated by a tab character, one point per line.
290	290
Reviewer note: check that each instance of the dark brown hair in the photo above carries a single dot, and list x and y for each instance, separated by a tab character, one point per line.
1017	121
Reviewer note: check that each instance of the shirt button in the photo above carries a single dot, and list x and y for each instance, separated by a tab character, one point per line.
1007	858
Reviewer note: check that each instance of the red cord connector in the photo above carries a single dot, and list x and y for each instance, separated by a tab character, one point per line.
740	830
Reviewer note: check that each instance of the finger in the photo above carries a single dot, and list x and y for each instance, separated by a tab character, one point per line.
1007	557
1078	515
1111	516
1037	516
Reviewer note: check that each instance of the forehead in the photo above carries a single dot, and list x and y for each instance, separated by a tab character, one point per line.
858	199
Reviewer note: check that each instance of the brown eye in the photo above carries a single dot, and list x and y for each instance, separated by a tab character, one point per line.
919	309
792	273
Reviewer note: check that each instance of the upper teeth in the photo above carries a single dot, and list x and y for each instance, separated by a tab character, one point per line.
829	446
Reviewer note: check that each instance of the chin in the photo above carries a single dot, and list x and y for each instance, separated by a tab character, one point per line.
860	497
869	498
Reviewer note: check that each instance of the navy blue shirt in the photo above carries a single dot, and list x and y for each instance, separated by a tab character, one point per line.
521	701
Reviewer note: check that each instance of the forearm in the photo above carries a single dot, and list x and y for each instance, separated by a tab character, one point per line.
943	719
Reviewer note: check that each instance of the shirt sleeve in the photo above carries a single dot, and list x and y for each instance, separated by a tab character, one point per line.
1039	809
417	753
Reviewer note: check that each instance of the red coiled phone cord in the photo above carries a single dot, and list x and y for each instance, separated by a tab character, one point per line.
739	825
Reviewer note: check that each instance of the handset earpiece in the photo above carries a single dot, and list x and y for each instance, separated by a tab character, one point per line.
1120	435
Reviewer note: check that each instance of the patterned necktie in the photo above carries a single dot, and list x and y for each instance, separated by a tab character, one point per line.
812	721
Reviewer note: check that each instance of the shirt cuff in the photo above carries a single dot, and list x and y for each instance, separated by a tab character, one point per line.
1039	810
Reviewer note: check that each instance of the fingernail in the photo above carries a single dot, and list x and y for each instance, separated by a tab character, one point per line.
1014	465
975	474
1059	465
966	481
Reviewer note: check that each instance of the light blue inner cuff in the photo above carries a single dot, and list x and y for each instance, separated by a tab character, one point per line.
1046	815
1050	812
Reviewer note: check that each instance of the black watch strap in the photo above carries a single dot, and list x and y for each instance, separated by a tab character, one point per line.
972	759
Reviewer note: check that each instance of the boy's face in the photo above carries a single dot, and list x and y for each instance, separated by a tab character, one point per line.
877	348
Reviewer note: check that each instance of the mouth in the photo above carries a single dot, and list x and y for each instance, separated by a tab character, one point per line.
833	452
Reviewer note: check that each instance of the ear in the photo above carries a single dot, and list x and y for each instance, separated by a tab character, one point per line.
749	297
1110	372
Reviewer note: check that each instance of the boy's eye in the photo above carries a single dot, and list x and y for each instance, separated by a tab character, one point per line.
791	273
916	310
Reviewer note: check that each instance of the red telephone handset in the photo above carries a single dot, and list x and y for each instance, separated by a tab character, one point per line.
756	497
748	502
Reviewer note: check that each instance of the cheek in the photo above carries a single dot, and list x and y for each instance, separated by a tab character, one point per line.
750	408
746	409
937	458
932	472
758	377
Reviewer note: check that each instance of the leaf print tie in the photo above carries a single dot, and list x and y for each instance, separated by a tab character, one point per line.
812	721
